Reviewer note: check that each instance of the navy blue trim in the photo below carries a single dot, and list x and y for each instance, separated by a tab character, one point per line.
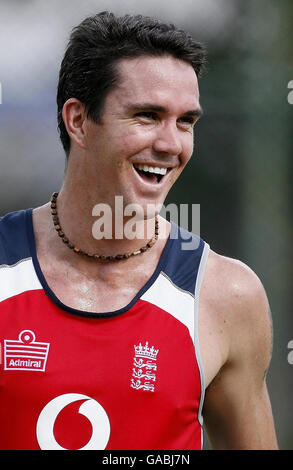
13	238
184	259
32	244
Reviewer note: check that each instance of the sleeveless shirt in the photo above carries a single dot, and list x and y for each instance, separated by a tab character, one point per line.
128	379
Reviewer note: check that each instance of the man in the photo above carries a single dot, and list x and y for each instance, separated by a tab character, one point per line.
122	342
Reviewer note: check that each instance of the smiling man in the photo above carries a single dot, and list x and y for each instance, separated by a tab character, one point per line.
125	342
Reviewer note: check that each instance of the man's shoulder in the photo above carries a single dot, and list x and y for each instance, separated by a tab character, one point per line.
13	237
13	222
236	289
239	309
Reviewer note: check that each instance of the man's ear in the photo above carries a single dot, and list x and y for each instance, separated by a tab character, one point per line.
74	115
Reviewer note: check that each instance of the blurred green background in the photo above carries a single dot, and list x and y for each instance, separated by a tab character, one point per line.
241	170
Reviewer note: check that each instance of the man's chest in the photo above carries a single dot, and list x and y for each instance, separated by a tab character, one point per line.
95	295
100	297
111	294
120	373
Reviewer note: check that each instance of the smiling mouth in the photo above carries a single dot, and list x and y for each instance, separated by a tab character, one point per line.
150	174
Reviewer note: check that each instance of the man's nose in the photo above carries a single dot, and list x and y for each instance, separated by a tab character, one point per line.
167	140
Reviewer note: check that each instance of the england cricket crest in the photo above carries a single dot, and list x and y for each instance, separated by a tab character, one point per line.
144	368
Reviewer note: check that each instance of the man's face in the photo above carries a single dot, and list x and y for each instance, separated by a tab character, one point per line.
145	137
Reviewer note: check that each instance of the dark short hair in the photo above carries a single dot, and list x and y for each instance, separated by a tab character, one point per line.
88	70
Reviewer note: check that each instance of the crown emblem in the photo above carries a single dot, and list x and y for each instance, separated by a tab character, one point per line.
145	351
144	367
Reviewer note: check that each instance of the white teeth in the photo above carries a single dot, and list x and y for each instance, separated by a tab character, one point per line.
152	169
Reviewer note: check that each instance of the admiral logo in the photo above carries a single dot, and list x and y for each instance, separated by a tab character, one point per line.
25	353
145	366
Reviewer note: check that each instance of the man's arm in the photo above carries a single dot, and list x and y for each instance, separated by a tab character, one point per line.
237	411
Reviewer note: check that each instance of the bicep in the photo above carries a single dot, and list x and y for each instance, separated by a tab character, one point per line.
237	414
237	411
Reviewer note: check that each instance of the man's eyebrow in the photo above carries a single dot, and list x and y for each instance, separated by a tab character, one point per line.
195	112
198	112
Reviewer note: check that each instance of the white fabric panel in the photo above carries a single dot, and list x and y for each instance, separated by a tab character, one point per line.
199	279
180	304
18	278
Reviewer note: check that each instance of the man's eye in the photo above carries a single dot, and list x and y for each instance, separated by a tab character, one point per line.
146	114
187	121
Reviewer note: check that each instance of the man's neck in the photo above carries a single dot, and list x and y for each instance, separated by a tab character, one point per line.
77	221
99	227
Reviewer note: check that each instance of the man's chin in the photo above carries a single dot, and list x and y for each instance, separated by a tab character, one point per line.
149	211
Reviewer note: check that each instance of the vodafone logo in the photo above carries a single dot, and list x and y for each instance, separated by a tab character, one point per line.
90	408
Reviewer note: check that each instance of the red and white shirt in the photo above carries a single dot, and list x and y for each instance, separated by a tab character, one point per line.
128	379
